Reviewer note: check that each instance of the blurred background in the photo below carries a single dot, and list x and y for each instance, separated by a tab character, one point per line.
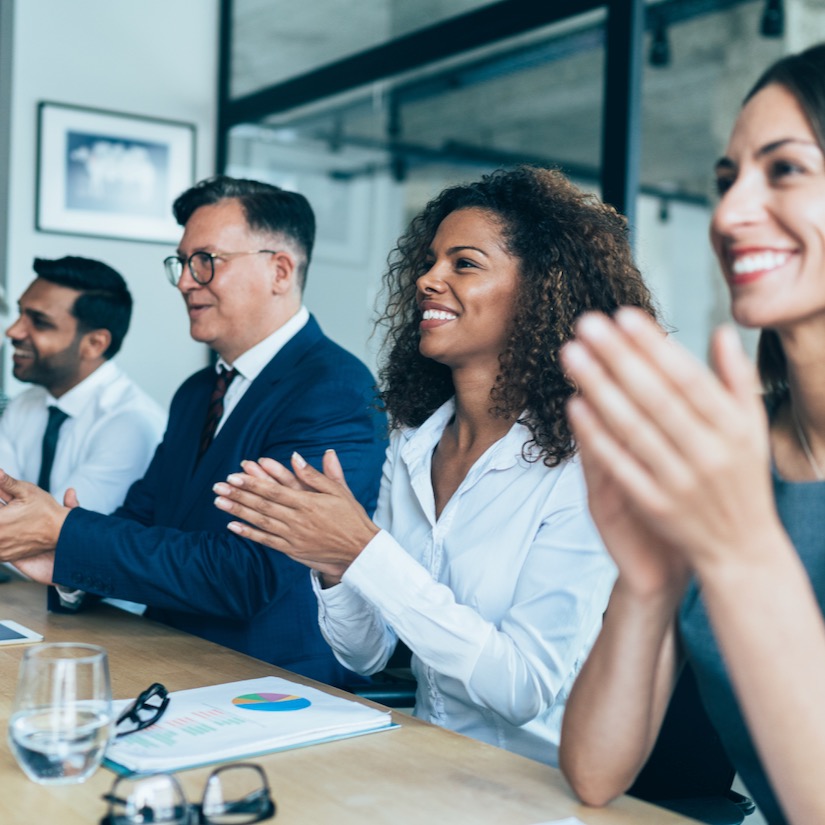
370	107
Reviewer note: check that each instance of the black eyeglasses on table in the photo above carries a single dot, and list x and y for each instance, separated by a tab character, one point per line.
236	794
144	711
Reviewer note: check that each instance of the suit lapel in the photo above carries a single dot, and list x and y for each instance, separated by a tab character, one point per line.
262	392
198	403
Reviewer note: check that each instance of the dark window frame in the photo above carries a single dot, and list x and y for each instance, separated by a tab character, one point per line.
621	108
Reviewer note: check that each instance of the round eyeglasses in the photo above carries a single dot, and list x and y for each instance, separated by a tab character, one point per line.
234	795
202	264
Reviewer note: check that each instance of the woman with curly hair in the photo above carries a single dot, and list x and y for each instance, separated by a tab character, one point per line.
481	556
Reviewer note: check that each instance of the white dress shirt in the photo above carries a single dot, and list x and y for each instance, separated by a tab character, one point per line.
104	445
500	598
250	364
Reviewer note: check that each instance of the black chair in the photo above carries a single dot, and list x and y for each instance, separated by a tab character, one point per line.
688	770
395	685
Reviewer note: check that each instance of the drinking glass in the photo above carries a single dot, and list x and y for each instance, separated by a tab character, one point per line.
62	718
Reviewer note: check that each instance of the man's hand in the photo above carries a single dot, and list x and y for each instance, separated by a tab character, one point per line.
38	568
31	521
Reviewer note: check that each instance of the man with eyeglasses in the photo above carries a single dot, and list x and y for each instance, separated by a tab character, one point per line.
279	386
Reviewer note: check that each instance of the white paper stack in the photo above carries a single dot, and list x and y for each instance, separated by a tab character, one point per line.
238	720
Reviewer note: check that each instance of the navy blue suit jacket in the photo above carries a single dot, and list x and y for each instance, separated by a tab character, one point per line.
168	545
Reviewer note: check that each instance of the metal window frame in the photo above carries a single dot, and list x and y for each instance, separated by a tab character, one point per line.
621	108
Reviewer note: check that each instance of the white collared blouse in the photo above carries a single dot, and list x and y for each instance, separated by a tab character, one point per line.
499	599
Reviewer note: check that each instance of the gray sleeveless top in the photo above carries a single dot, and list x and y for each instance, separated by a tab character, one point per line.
801	508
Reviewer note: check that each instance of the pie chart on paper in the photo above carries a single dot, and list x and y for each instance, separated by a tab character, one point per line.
270	702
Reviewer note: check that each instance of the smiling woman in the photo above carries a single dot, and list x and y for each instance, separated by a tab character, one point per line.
768	230
467	294
570	253
481	556
710	498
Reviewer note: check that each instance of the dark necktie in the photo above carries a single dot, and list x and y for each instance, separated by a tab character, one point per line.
56	419
215	410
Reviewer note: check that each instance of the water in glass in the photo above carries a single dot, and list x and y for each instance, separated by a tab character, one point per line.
62	718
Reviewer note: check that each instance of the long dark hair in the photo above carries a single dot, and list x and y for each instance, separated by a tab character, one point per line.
803	75
574	256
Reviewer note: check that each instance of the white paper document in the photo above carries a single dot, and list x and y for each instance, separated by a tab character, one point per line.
238	720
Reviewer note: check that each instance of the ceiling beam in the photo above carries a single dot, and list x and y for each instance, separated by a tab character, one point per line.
451	37
555	47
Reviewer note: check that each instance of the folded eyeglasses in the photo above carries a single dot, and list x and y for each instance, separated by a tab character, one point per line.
144	711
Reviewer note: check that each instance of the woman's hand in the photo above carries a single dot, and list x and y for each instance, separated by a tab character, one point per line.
648	565
684	454
309	516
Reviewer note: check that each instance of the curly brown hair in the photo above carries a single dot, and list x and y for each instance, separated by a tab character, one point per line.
574	256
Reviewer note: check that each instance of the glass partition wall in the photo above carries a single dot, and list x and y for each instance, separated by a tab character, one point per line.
370	107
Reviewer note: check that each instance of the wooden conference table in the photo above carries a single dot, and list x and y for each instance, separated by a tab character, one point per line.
412	774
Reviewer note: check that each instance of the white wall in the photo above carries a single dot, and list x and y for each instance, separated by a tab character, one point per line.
358	222
156	58
674	254
343	286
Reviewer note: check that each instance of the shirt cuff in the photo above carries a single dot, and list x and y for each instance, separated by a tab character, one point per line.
386	575
336	601
69	598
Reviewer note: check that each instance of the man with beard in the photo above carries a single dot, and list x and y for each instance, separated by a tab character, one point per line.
84	424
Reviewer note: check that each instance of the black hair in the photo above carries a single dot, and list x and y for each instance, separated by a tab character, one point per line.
104	301
267	208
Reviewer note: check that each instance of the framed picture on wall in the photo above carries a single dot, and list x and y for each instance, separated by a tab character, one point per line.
111	175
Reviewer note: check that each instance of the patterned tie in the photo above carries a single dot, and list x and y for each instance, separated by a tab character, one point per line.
215	410
56	419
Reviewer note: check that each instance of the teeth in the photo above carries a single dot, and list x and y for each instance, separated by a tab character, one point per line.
438	315
759	262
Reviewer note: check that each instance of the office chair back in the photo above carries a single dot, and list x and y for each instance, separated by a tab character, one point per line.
688	770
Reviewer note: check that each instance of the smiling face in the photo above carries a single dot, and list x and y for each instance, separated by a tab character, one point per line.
467	295
45	338
249	297
768	229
